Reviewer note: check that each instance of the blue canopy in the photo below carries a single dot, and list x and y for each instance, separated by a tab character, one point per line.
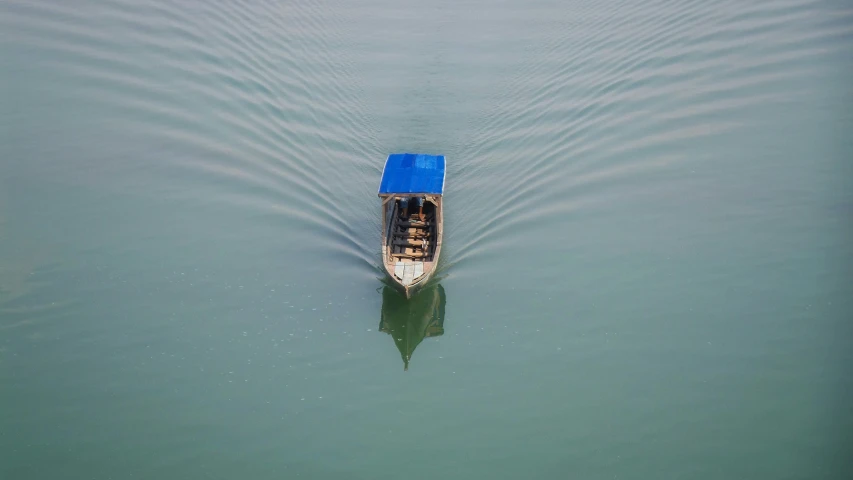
413	173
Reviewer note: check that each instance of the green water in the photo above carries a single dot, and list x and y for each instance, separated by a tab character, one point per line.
646	270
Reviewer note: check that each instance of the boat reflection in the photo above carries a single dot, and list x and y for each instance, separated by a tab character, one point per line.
410	321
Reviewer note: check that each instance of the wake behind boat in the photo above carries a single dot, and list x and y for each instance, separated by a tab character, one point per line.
411	190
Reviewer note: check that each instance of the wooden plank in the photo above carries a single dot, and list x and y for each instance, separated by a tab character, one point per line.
384	224
409	255
412	234
409	244
408	274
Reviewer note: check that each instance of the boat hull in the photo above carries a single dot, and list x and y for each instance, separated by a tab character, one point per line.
408	290
409	286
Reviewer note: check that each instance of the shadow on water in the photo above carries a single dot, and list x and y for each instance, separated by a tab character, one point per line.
410	321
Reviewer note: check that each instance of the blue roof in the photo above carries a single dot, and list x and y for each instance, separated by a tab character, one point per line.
413	173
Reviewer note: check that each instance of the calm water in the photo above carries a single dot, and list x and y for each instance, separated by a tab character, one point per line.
647	265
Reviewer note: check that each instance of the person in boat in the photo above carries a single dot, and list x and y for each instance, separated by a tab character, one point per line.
404	206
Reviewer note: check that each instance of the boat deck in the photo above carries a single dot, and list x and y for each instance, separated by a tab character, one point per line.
412	244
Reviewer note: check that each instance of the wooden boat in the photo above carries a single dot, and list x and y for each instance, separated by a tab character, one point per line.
411	234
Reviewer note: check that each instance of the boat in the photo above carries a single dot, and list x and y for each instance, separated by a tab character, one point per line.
410	321
411	190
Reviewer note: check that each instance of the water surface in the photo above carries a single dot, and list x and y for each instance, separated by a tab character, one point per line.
646	268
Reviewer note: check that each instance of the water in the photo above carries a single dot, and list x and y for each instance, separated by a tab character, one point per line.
646	269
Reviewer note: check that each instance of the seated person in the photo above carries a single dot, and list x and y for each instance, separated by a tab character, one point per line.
404	206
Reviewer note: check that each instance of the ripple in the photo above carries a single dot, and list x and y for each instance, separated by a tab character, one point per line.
289	109
626	91
282	98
